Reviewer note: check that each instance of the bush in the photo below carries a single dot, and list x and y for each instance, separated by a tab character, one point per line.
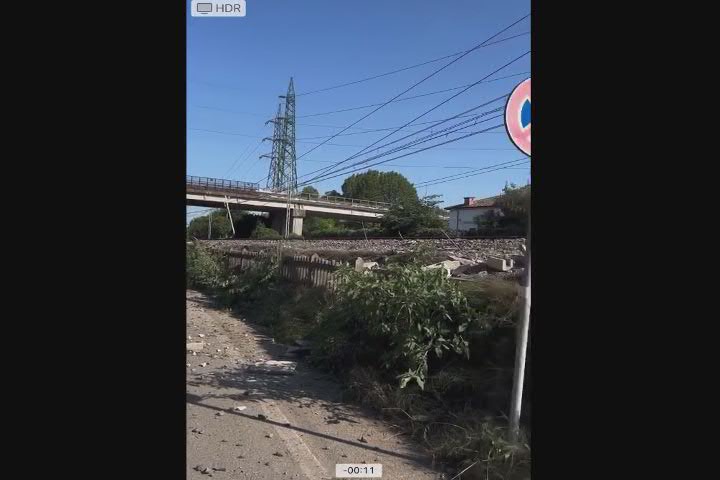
399	319
262	232
205	269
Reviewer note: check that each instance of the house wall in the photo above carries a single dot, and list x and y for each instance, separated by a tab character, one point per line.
461	219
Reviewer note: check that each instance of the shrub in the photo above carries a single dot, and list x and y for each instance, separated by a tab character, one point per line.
205	268
262	232
399	318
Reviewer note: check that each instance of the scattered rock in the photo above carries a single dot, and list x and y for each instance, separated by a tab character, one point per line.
269	435
204	364
246	393
219	414
220	469
201	335
362	439
187	365
261	416
267	464
239	408
278	454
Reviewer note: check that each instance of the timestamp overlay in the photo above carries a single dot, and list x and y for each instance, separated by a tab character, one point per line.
358	470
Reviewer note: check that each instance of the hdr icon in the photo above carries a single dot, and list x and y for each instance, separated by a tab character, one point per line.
232	8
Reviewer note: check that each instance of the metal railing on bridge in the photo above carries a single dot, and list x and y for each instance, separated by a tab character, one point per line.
348	202
219	183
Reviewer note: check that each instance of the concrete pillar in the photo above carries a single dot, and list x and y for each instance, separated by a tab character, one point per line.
297	221
297	225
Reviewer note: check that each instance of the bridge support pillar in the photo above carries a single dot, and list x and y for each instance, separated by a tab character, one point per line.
277	220
298	215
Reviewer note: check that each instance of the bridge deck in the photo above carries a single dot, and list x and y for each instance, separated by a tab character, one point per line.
246	190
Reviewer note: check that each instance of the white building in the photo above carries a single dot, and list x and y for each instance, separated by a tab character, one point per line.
462	216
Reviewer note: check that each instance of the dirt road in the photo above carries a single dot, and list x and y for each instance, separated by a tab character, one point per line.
291	426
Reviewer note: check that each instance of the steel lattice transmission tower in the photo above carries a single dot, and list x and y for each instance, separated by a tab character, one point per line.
276	175
283	166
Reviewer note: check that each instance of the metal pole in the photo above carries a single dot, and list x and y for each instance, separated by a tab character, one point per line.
521	349
230	216
210	226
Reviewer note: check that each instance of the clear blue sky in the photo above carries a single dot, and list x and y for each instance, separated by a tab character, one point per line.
237	67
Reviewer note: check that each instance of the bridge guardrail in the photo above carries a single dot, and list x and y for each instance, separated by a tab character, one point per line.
221	183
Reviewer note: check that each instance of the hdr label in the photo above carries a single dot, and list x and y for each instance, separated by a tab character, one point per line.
228	8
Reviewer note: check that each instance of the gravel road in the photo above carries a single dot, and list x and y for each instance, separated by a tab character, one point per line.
286	427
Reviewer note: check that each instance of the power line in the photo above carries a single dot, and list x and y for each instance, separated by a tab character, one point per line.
411	153
407	98
433	135
421	81
405	68
466	175
433	108
422	184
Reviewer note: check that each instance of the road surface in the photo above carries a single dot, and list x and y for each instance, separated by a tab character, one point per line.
306	428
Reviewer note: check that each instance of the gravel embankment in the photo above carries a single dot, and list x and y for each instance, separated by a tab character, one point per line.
477	249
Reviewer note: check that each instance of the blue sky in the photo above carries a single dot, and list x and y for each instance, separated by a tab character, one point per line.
237	67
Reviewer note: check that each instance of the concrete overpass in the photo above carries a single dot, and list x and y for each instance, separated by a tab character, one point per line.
216	193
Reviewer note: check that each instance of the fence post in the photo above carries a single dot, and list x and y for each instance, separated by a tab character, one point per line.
359	262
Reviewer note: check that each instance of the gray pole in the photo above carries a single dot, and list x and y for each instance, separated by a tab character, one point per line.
521	349
210	226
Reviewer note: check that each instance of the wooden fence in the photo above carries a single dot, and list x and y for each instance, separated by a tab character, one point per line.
309	270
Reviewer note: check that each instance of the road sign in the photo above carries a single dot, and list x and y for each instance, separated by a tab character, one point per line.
517	116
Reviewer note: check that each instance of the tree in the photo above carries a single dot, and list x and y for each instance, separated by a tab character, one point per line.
515	205
199	226
333	193
390	187
413	217
311	190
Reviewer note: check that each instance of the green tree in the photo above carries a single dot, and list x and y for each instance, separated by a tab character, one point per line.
413	217
390	187
310	189
221	228
515	205
333	193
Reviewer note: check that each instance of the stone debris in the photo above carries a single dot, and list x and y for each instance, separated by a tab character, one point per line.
448	265
269	435
219	414
261	416
239	408
204	364
499	264
194	346
201	335
278	454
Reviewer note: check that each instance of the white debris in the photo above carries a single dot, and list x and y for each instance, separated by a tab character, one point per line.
448	265
201	335
239	408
